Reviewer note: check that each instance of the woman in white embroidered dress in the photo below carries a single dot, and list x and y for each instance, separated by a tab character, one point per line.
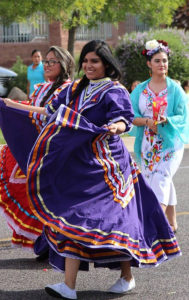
161	134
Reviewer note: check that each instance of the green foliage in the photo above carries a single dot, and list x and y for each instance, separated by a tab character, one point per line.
133	63
21	80
2	141
81	12
150	11
69	12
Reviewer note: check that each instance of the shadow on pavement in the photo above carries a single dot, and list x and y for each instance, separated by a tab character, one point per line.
24	263
23	295
41	295
99	295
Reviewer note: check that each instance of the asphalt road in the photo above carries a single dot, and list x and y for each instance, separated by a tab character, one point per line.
23	278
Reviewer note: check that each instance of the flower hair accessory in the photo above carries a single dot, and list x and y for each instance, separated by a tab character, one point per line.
154	46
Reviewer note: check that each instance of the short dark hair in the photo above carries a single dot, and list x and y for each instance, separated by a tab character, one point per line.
102	49
34	51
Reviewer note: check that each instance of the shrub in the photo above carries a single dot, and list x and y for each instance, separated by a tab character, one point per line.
133	63
21	80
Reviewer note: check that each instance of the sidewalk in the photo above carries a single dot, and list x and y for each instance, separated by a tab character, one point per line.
129	143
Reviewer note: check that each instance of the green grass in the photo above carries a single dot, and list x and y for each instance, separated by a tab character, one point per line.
2	141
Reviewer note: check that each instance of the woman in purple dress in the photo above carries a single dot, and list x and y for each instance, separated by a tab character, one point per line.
86	189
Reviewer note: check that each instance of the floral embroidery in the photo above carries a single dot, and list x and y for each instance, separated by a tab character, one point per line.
168	155
152	147
153	155
150	96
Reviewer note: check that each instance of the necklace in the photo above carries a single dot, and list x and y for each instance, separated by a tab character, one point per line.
94	85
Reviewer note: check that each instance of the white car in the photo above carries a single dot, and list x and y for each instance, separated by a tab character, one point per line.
5	74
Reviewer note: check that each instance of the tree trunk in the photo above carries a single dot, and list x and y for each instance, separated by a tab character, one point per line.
71	39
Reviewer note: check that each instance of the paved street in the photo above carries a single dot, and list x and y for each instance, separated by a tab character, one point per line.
23	278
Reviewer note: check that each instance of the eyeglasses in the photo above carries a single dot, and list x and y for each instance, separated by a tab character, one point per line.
50	62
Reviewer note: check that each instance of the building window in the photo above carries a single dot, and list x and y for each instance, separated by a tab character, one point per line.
133	23
101	31
31	30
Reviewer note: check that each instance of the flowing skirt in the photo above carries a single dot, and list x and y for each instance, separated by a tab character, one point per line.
86	189
14	203
20	132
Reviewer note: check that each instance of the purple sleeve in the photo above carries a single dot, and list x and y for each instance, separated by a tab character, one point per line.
119	107
55	104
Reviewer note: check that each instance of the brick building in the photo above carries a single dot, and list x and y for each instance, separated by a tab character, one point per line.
20	39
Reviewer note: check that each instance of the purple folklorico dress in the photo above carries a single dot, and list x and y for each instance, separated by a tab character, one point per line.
84	186
26	228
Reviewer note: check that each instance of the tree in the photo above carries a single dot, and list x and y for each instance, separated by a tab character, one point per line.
150	11
71	13
181	17
74	13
